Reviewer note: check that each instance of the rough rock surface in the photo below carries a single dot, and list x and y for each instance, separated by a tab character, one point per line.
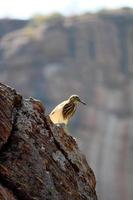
38	160
5	194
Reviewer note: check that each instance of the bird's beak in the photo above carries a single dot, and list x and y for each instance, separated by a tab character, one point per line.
83	102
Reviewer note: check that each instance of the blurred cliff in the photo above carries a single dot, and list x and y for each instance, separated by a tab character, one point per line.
91	55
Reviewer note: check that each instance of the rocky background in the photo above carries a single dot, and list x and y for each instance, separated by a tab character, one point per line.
50	58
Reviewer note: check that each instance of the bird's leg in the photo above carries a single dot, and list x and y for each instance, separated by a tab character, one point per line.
59	125
66	128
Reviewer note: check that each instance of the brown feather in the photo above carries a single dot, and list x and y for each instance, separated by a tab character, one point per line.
68	110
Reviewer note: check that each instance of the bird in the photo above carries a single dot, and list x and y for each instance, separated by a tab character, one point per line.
63	112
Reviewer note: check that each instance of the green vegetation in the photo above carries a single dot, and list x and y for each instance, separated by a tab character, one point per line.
38	19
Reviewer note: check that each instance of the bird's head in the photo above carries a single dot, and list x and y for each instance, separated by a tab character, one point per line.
75	99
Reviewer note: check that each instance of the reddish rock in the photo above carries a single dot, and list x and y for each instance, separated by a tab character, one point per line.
39	160
5	194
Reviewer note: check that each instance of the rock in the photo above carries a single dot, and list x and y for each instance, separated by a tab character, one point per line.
7	100
38	160
5	194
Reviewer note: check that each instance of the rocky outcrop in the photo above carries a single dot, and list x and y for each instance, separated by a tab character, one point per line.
8	25
38	160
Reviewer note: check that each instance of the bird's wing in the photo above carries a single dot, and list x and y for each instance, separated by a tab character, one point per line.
68	110
58	107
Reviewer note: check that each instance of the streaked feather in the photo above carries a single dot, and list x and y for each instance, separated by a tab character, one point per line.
68	110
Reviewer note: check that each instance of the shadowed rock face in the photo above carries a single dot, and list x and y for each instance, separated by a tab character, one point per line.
7	99
38	160
5	194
